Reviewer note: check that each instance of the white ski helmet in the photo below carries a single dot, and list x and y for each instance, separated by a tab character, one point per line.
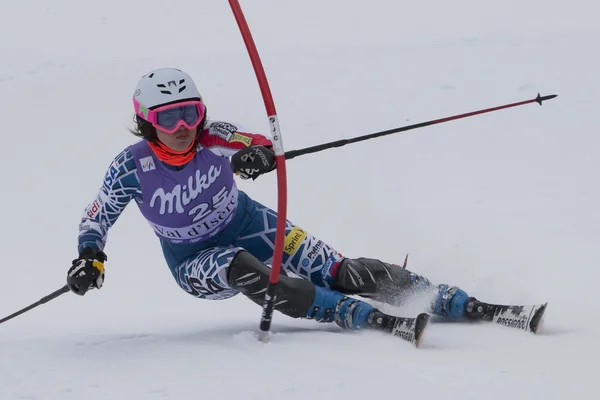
165	86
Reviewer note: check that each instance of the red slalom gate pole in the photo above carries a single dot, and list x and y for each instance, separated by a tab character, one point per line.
269	302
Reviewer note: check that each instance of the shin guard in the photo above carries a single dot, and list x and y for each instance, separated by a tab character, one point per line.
250	277
378	280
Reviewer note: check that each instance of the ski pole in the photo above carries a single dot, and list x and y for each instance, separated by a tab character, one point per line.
339	143
43	300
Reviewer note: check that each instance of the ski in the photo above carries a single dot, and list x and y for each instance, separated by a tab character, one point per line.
522	317
409	329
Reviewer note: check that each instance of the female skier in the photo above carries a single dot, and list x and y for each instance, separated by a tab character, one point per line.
216	240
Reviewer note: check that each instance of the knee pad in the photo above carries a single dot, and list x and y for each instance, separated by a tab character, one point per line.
293	297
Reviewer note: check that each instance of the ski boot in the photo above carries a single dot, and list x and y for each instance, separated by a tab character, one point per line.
353	314
454	303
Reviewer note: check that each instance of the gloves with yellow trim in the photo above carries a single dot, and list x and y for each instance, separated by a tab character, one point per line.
87	271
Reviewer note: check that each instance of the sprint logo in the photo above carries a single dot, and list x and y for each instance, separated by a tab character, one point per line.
293	240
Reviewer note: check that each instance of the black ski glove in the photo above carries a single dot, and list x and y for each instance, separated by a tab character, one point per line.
252	162
87	271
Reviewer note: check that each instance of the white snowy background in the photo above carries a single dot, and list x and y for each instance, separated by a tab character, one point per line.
504	204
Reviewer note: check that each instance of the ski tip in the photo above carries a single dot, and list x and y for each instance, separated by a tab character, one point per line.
539	99
405	261
536	321
420	324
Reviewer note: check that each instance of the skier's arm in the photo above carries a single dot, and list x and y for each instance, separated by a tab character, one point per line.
119	187
226	139
250	153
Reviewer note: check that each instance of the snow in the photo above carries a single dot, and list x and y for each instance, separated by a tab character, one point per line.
503	204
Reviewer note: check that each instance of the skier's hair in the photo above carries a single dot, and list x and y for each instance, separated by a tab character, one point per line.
144	129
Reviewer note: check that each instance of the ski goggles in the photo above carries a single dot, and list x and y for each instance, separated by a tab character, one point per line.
171	117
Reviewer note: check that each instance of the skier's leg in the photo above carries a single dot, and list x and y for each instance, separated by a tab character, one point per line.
310	258
393	284
297	298
222	272
204	274
304	255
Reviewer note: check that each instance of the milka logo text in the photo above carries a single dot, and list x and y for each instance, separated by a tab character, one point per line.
180	197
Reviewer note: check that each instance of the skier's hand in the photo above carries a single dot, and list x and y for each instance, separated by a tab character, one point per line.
253	161
87	271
